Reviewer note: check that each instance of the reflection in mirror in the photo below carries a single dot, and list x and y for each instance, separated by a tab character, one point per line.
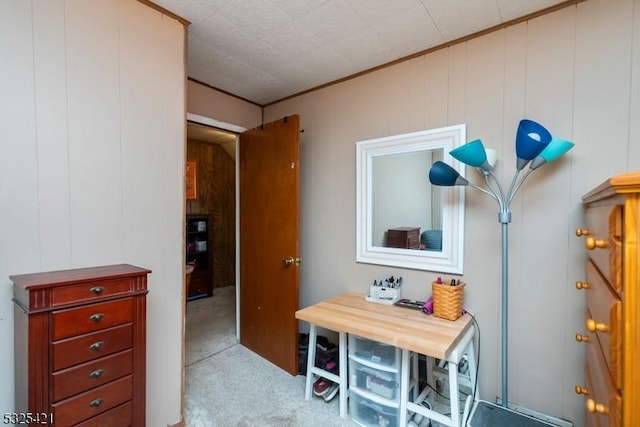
399	209
402	220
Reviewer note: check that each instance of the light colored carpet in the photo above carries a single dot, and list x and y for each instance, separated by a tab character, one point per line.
239	388
210	325
230	386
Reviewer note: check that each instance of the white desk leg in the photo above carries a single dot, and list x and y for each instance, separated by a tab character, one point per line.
404	386
343	374
454	394
311	361
415	377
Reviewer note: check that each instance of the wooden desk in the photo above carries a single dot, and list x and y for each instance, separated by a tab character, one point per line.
410	330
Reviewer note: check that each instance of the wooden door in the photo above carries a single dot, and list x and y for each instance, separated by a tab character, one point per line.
269	247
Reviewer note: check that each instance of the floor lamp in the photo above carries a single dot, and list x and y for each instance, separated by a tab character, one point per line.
534	146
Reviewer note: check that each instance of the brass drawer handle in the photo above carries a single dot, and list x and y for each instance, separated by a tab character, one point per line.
96	403
96	317
594	407
581	390
582	338
592	243
97	345
593	326
582	285
582	232
97	290
97	373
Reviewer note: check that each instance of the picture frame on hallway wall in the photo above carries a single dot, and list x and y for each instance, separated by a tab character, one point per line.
191	180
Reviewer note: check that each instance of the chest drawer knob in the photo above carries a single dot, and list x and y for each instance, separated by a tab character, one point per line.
97	345
96	317
594	407
582	338
581	390
97	290
96	403
582	232
97	373
582	285
593	326
592	243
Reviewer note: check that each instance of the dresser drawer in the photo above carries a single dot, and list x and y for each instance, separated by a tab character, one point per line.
117	417
86	292
92	317
605	227
93	402
80	378
87	347
605	311
604	402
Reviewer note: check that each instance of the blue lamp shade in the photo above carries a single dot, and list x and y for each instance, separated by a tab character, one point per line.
472	154
444	175
556	148
531	139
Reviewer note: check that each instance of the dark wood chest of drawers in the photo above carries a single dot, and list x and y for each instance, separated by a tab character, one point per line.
80	345
611	386
403	237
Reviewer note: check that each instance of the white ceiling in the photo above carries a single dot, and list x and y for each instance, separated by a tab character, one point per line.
266	50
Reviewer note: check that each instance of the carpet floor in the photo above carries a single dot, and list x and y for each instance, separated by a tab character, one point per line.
228	385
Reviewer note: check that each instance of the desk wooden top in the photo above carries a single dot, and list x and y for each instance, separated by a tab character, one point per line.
389	324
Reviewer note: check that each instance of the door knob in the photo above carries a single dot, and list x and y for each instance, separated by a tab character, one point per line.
288	262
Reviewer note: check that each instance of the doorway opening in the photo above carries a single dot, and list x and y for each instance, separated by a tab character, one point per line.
210	313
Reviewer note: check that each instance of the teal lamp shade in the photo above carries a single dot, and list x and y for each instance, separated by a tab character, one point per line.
556	148
531	139
444	175
472	154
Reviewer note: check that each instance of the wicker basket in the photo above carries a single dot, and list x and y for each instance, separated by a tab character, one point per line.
447	300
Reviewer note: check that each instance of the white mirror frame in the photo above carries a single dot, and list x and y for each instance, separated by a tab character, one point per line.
450	259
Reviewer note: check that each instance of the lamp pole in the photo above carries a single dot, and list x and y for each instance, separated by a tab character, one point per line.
505	218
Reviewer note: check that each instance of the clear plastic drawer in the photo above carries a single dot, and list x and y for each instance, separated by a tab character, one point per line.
375	352
371	412
383	383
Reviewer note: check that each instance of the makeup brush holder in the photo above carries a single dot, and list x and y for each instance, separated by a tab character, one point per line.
447	300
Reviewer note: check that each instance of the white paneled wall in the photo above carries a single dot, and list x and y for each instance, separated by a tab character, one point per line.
92	130
575	72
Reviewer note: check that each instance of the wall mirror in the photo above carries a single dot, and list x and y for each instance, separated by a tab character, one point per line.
402	220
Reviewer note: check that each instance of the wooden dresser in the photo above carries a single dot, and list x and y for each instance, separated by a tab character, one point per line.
80	340
611	337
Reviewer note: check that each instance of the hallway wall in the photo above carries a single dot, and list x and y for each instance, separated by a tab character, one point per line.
216	197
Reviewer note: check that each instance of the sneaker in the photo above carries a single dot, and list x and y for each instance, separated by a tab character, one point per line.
331	392
321	386
331	366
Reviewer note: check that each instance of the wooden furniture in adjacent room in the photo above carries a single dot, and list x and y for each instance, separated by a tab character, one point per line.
408	330
403	237
611	385
199	256
80	345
